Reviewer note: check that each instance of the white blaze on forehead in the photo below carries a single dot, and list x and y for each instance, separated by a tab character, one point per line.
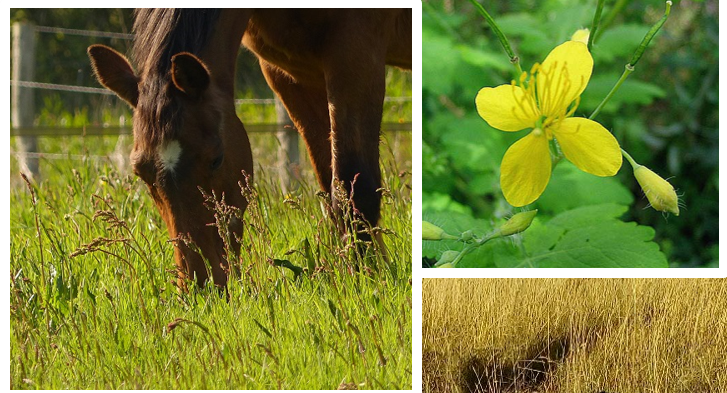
169	154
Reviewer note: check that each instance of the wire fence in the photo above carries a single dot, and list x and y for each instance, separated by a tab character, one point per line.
26	132
85	33
103	91
115	130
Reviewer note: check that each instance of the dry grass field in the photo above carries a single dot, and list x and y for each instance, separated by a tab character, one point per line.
574	335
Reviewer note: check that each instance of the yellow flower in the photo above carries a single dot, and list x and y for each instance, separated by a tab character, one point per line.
659	192
545	102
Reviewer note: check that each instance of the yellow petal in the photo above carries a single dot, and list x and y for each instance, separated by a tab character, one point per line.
507	107
563	76
581	35
589	146
525	169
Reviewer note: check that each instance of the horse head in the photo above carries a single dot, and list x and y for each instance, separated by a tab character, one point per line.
187	139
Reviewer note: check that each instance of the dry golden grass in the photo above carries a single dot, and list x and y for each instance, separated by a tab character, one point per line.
574	335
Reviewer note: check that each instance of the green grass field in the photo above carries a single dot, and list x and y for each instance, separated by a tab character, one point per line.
93	304
574	335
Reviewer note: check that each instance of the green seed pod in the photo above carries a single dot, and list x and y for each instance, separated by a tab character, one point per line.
433	232
448	264
518	223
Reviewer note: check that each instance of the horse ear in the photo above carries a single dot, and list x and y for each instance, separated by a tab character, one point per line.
114	72
189	74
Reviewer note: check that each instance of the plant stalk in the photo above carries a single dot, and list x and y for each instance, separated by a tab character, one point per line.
629	68
514	59
594	25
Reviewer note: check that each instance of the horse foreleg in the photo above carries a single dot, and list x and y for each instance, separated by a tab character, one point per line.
307	106
355	87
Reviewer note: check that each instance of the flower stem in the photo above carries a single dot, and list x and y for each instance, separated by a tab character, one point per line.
613	12
500	35
556	154
594	25
631	161
627	71
634	59
471	246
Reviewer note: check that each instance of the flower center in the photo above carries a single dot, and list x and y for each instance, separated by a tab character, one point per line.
546	93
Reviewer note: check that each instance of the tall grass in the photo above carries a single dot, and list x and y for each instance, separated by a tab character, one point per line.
94	305
575	335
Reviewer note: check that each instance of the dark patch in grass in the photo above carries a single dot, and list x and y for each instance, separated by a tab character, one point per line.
490	374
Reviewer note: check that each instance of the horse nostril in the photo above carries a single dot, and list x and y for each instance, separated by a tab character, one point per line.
217	162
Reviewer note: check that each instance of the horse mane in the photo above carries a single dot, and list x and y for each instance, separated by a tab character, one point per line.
163	32
160	34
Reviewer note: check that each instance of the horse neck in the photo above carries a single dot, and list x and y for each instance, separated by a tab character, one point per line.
220	55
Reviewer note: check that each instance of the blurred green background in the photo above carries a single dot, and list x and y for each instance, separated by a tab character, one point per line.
665	115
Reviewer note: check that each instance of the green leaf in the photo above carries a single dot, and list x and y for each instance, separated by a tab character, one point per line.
436	64
503	252
484	59
631	92
589	236
588	215
569	187
619	41
436	201
452	223
297	270
534	40
495	253
592	236
472	143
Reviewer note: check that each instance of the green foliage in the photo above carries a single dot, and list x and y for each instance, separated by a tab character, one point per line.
617	44
665	115
590	236
570	188
632	92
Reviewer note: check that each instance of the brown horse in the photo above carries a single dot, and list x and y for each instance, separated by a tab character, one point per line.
327	66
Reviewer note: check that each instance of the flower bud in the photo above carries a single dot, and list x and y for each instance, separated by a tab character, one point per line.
433	232
447	258
518	223
466	236
659	192
448	264
581	35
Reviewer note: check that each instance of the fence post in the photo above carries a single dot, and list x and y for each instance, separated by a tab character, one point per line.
288	157
120	156
23	104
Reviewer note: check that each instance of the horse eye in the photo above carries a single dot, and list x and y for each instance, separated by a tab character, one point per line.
217	162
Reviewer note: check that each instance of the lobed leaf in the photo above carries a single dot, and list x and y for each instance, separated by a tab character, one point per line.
592	236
